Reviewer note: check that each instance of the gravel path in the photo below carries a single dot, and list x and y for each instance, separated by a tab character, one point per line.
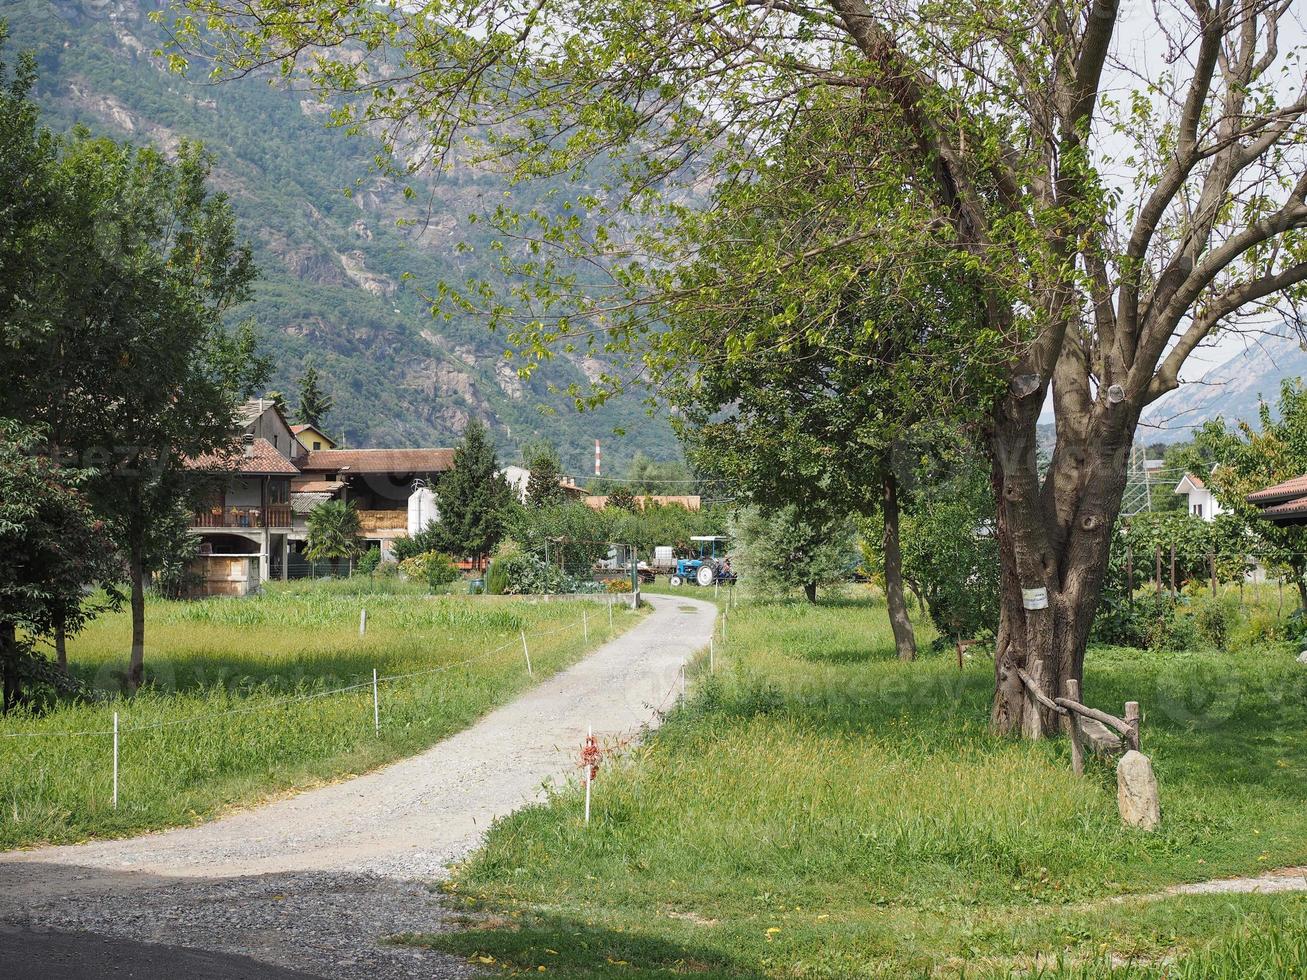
314	881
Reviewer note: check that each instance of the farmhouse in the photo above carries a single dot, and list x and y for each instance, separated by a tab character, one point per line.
1202	502
1284	503
253	525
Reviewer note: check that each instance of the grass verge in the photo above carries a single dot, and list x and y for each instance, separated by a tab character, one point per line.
820	810
237	705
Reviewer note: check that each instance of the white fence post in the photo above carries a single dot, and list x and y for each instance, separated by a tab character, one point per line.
376	704
682	680
590	733
712	658
610	612
363	622
526	653
115	760
585	626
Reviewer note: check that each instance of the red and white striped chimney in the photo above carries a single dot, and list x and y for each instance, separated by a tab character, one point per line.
597	458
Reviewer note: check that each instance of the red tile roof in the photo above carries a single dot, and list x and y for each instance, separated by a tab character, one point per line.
1197	481
347	461
262	459
1287	490
297	429
1294	508
315	486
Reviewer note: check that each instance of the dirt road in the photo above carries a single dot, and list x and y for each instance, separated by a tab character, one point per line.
311	882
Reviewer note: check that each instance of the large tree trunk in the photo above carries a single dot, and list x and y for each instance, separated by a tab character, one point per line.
136	571
61	647
9	666
905	641
810	591
1053	544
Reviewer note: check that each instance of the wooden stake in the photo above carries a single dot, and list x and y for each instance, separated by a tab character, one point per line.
1211	564
1130	577
1077	745
1173	589
1158	578
1132	718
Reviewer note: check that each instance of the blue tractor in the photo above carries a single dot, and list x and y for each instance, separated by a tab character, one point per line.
710	566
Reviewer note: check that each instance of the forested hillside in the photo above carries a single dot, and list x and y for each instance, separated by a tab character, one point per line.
342	278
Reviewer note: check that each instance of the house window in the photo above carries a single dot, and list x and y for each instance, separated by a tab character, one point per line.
316	444
275	443
1198	510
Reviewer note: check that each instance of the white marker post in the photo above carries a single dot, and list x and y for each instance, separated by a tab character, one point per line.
712	658
610	612
376	704
682	680
115	760
526	653
363	622
590	732
585	626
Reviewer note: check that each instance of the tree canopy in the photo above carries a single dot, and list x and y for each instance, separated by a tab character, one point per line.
472	497
1110	209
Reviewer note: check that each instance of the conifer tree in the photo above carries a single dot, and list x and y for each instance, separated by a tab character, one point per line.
473	497
314	404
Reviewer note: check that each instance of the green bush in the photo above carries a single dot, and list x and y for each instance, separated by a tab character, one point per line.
526	574
367	564
496	577
432	567
1215	619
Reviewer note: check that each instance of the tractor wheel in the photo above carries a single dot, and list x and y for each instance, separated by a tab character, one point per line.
676	581
704	576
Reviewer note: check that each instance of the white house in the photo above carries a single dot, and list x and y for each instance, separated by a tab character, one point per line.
1202	503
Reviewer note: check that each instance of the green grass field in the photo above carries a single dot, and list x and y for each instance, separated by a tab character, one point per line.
819	809
237	708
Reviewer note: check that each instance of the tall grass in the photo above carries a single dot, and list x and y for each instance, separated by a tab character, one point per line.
240	700
821	809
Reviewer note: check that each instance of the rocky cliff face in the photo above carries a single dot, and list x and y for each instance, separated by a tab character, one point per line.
342	279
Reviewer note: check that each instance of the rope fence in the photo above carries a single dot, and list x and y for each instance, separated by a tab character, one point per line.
374	683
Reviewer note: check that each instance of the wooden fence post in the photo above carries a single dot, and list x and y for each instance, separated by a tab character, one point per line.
1157	553
1130	577
1211	564
1132	718
1073	720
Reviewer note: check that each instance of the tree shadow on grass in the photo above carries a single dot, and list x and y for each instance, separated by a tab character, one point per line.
558	945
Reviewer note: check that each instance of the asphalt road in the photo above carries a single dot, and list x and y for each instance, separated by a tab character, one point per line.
31	955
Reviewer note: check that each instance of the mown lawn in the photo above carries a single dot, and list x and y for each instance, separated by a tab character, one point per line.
820	810
238	707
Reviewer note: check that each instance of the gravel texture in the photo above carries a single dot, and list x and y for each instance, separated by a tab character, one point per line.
317	881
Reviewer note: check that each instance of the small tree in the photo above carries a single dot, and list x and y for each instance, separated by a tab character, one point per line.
314	404
53	548
544	488
785	551
333	532
472	497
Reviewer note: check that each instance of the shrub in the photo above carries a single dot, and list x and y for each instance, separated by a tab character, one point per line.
432	567
496	577
1215	618
527	574
367	564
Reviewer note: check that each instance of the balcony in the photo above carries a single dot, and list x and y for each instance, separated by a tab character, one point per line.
246	518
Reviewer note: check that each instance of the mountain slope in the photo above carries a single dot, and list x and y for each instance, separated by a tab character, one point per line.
341	282
1232	389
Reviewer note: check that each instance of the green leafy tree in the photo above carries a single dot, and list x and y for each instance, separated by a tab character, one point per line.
786	551
472	497
998	129
314	403
333	530
544	488
621	498
54	547
130	369
1248	459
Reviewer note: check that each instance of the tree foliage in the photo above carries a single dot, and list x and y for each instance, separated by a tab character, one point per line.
54	548
1109	209
332	532
115	297
788	551
472	497
314	403
544	487
1240	459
